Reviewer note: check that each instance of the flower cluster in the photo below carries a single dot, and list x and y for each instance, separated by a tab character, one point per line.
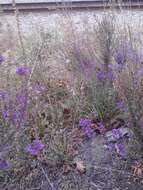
103	74
4	164
118	146
85	124
2	59
35	147
23	71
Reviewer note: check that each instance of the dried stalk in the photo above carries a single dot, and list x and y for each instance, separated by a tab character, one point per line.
16	12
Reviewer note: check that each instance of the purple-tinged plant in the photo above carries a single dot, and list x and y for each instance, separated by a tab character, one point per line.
110	75
105	73
23	71
5	115
120	59
120	149
111	147
88	131
2	59
116	133
101	75
35	147
120	105
38	88
22	101
4	165
3	94
86	126
84	122
101	127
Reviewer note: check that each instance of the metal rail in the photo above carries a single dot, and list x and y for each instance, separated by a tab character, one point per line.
78	5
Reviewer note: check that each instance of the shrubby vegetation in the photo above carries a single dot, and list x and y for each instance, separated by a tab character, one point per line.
57	94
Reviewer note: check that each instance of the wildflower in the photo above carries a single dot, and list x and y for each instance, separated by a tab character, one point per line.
116	133
2	59
4	165
101	126
22	99
38	88
101	75
3	95
5	114
119	67
120	58
86	126
35	147
111	147
120	105
120	149
85	122
23	71
88	132
110	76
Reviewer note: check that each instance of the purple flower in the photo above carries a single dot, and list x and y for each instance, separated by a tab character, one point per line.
4	165
116	133
35	147
22	101
5	114
101	75
86	126
120	149
3	95
120	105
88	132
85	122
120	58
119	67
23	71
111	147
2	59
38	88
110	76
101	125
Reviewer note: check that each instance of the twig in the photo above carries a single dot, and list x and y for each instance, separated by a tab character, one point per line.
18	28
112	169
47	178
95	185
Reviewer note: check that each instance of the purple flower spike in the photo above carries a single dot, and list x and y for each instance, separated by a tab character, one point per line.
85	122
120	149
5	114
38	88
3	95
111	147
2	59
116	134
23	71
120	105
101	75
35	147
4	165
88	132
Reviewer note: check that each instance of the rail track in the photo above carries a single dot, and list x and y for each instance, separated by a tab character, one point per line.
75	5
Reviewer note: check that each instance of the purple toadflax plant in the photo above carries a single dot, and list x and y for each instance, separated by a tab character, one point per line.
35	147
2	59
85	124
116	133
23	71
4	164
